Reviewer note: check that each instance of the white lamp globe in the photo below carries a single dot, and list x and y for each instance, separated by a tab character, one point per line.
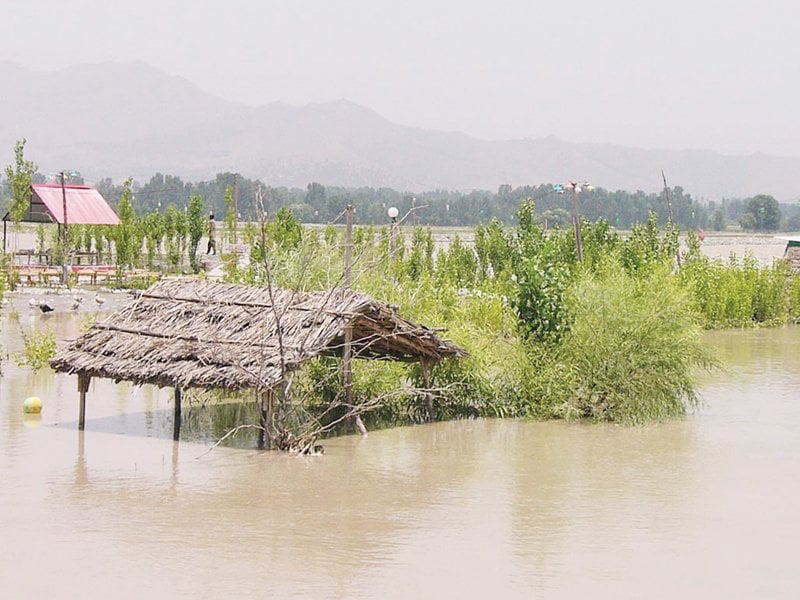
393	212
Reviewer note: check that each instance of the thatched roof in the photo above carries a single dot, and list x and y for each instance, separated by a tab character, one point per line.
190	333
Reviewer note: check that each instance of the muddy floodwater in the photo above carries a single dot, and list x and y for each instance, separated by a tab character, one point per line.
706	507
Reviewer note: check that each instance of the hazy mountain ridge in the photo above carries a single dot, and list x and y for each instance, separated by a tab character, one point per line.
114	119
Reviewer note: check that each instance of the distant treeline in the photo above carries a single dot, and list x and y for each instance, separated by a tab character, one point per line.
323	204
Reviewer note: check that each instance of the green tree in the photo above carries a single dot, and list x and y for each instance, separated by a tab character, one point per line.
285	232
420	259
557	217
793	223
153	228
492	248
175	232
124	233
19	177
315	195
766	212
718	220
196	224
748	222
544	274
458	264
230	216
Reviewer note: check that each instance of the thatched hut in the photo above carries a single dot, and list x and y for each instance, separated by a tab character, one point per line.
188	333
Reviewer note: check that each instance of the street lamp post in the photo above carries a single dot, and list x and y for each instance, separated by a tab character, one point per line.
64	232
392	212
575	189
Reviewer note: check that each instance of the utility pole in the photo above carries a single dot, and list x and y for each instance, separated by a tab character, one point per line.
235	205
64	233
392	212
576	220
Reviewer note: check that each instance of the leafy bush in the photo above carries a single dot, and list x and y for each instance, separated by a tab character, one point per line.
793	292
614	338
737	293
630	354
39	346
543	315
647	248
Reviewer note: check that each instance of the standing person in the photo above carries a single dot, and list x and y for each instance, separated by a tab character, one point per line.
212	234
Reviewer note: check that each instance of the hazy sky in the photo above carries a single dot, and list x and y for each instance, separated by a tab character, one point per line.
721	75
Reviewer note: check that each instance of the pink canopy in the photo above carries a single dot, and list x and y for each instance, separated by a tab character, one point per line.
85	205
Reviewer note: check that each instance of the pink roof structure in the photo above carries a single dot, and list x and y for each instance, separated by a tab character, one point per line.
85	205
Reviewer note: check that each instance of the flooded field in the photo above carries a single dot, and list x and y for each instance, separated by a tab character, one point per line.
763	247
703	507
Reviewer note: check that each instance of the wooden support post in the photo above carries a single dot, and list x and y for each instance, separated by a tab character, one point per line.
270	419
81	476
262	434
576	222
83	387
426	379
266	438
175	451
347	351
347	366
348	247
64	233
176	421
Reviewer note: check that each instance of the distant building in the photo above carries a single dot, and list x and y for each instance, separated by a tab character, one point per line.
792	252
84	206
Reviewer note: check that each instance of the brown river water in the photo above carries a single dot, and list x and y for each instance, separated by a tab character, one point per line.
705	507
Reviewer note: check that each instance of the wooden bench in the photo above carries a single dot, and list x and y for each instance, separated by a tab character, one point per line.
90	274
51	276
78	258
42	258
27	276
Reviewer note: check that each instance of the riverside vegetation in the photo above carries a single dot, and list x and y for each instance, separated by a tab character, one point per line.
614	338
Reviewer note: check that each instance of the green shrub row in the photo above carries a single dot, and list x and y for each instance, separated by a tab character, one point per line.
617	337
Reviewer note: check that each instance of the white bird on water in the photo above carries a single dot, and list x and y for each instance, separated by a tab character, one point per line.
98	299
33	302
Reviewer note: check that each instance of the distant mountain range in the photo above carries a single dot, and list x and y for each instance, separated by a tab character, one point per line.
118	120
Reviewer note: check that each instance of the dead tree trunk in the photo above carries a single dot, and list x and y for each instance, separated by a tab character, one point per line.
266	438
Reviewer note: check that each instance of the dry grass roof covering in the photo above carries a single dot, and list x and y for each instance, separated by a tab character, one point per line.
191	333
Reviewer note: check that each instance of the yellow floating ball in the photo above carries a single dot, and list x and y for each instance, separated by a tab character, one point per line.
32	405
